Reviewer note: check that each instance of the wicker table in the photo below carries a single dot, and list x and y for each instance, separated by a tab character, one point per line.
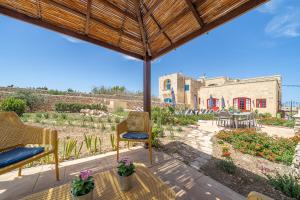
145	186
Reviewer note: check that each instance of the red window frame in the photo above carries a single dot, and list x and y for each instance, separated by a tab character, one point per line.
215	100
241	100
261	103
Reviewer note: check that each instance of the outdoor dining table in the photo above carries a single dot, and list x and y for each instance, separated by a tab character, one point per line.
237	116
145	186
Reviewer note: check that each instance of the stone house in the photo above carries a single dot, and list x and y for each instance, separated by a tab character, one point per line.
261	93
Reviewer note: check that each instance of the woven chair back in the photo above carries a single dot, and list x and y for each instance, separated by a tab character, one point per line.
11	130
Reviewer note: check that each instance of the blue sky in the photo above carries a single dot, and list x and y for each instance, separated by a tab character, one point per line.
262	42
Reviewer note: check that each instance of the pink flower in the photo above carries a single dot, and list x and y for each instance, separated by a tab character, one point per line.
85	174
127	162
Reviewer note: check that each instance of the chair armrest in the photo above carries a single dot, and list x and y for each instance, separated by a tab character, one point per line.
257	196
38	135
121	127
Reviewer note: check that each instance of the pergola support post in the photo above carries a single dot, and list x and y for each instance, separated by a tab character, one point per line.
147	85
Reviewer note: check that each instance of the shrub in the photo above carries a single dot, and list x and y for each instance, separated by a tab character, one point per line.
56	92
46	115
264	115
179	129
157	131
260	144
227	166
117	120
32	100
12	104
63	116
38	115
274	121
76	107
162	115
112	127
287	184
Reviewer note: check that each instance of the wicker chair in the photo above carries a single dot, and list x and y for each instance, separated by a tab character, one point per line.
136	128
14	136
257	196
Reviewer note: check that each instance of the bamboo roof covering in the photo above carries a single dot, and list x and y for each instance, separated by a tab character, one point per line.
139	28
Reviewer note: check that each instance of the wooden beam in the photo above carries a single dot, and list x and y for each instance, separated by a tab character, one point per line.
156	4
88	13
38	5
208	27
147	85
195	12
198	3
126	13
122	26
83	15
142	28
157	24
170	23
47	25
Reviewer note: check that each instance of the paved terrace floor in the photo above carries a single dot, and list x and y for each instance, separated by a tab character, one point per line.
187	182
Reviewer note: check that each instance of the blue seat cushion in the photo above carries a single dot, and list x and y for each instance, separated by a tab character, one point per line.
135	136
18	154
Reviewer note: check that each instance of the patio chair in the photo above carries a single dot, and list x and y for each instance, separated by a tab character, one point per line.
252	120
136	128
257	196
15	138
225	119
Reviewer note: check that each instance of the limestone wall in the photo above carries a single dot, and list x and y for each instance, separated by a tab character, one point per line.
254	90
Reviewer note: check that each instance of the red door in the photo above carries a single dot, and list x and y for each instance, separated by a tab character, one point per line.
242	103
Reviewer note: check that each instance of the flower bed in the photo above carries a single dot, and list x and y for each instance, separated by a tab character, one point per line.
260	144
273	121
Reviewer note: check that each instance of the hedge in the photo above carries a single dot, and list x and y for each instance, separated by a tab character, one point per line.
76	107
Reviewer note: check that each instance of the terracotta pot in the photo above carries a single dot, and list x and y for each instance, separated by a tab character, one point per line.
88	196
125	182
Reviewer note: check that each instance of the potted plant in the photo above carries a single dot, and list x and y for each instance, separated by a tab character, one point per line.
126	169
82	186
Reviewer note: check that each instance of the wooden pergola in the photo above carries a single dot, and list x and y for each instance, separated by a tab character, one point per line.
144	29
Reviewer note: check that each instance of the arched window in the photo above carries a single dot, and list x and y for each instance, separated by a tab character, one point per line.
167	84
242	103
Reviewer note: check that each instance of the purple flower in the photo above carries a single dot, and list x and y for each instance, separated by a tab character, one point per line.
126	161
85	174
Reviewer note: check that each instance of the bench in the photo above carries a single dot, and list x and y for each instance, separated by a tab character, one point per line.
15	138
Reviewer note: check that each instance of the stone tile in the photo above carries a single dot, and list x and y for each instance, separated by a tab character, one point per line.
208	188
14	187
177	175
47	178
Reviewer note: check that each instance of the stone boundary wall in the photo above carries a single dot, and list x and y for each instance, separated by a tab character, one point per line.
112	101
296	162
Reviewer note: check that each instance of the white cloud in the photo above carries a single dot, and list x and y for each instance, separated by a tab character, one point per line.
126	57
71	39
271	7
285	25
157	60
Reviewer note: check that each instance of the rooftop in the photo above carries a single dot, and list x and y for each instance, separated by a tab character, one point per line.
142	29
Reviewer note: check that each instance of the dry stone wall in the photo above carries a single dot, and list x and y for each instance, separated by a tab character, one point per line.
112	101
